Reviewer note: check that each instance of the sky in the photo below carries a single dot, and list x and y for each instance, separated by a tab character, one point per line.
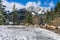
25	1
47	4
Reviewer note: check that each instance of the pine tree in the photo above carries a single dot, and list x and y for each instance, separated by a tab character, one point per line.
57	9
14	15
2	7
52	14
49	16
28	18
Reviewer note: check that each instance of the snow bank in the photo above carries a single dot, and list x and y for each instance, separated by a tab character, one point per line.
48	33
27	33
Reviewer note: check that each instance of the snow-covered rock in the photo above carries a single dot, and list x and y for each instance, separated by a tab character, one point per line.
27	33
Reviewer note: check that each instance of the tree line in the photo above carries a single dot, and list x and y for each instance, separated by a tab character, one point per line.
14	17
54	13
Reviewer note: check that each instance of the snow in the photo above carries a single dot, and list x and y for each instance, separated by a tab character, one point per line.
27	33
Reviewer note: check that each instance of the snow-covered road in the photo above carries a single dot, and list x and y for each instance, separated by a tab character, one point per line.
26	33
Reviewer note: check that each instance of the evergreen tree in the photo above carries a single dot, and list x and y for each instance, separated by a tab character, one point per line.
14	15
57	9
28	18
2	18
49	16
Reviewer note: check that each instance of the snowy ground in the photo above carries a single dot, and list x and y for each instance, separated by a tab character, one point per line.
26	33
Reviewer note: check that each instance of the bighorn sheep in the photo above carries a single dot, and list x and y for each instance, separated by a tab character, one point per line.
50	26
